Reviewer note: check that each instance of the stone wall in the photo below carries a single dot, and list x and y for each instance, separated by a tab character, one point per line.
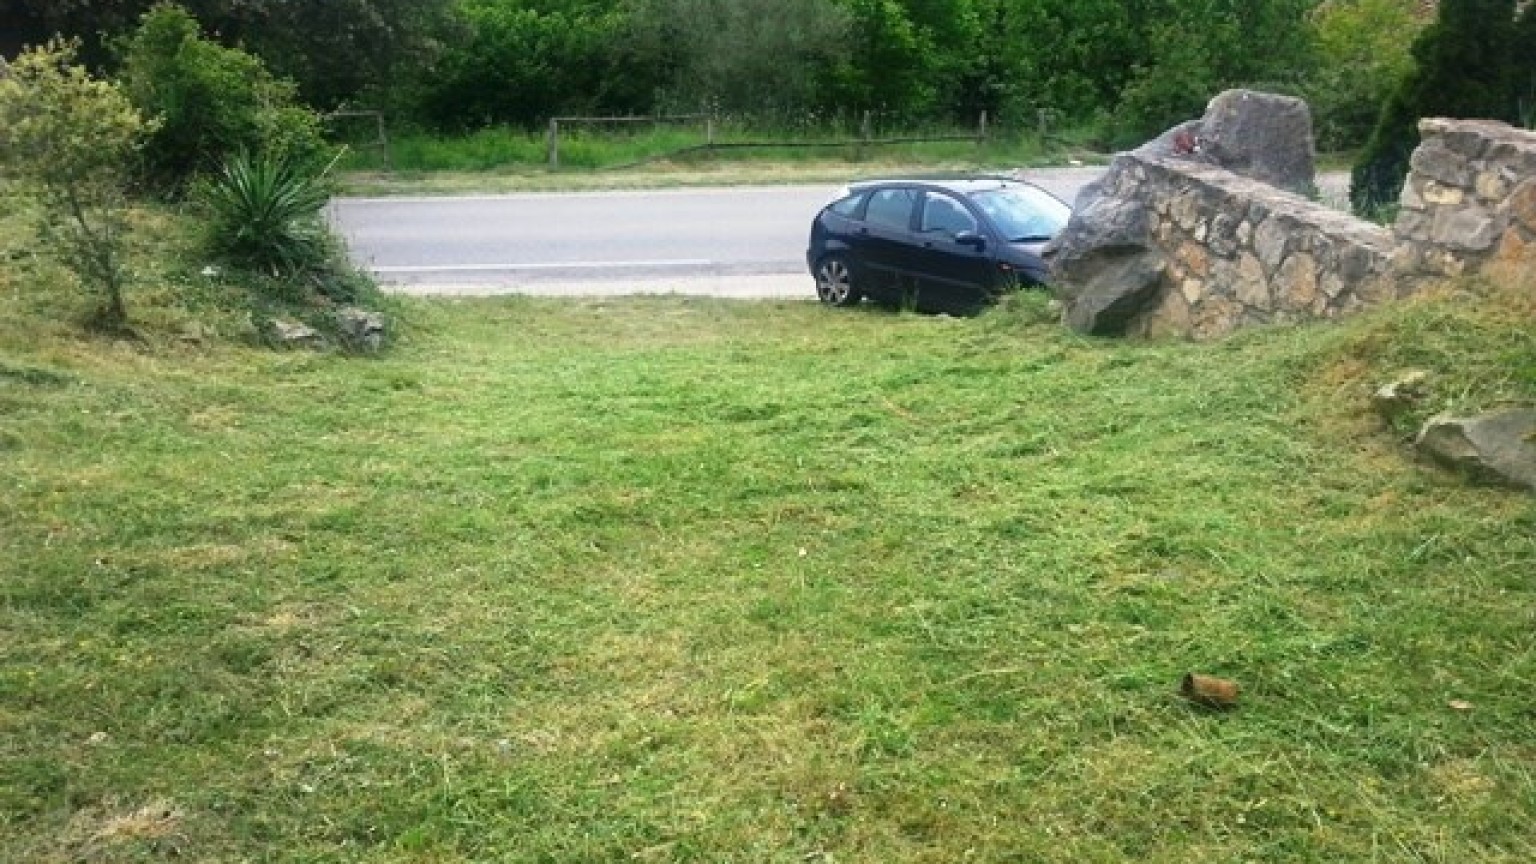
1469	204
1231	251
1238	252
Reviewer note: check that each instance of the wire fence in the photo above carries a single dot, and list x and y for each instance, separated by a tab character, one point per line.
665	137
709	127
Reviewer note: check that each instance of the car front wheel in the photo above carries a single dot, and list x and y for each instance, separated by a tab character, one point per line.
834	282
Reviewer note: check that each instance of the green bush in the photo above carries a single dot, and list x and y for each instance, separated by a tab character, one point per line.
211	102
1464	67
263	217
1362	49
264	214
65	137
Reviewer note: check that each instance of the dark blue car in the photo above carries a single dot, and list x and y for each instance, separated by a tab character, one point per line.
936	245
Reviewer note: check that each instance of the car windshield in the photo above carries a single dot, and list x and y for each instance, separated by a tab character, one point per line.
1023	214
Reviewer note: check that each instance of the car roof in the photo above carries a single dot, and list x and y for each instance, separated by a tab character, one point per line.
969	183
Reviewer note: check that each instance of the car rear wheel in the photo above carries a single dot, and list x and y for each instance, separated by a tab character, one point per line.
834	282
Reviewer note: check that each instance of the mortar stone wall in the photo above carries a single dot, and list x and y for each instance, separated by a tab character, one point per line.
1238	252
1469	203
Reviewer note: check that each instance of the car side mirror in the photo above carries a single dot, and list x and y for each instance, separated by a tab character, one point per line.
972	239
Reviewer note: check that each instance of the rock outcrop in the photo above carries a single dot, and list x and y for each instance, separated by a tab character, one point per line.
1498	447
1108	263
1202	230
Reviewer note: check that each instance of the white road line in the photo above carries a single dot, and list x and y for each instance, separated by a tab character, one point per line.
543	265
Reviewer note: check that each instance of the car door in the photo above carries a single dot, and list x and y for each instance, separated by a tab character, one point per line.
951	260
885	240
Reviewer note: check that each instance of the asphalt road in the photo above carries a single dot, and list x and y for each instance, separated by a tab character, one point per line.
746	241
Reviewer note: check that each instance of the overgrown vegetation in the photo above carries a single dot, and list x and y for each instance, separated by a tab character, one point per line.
76	144
69	138
212	103
1128	71
810	586
1362	53
1466	65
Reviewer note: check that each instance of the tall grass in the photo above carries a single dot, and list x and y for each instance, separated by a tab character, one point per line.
687	580
585	149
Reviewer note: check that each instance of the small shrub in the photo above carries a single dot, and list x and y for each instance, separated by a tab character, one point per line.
66	137
263	218
211	101
264	214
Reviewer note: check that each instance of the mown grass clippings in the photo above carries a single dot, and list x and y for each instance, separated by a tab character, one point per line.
675	579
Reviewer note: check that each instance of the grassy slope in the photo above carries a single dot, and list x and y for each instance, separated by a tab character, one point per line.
661	579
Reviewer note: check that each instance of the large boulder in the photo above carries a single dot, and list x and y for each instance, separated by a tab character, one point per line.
1263	136
1499	447
1105	267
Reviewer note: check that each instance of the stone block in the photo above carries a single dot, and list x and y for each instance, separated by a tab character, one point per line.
1270	243
1439	195
1192	290
1252	288
1264	136
1466	229
1515	248
1491	187
1215	317
1195	259
1499	447
1296	284
1521	204
1436	161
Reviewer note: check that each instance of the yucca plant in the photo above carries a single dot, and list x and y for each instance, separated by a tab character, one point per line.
264	214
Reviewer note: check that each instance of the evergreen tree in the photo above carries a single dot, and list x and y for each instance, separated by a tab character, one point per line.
1463	68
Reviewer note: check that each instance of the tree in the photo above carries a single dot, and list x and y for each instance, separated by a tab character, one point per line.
886	65
760	58
1523	73
1362	48
1463	67
336	50
211	101
69	138
1201	47
521	63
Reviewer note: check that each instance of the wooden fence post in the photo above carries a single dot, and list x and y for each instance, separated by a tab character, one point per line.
389	161
554	142
981	129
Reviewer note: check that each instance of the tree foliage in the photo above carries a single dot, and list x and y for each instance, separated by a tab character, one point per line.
1362	53
1132	67
1464	66
738	56
522	63
211	101
336	50
1198	48
68	137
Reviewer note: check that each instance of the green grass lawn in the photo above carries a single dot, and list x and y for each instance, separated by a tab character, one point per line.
687	580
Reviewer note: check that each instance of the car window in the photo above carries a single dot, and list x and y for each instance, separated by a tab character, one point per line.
891	207
1023	213
847	206
945	215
